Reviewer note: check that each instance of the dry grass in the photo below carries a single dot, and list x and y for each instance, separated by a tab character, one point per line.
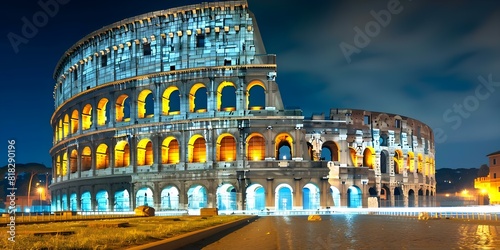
140	231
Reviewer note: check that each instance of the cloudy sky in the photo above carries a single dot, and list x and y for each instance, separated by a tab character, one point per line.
437	62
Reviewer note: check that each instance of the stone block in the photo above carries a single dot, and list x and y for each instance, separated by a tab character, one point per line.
145	211
209	211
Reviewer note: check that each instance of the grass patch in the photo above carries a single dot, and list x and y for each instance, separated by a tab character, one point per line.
139	231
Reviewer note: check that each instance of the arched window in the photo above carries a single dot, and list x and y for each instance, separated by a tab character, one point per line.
226	96
256	95
171	101
256	147
74	121
145	104
64	164
368	157
122	108
198	98
73	165
102	156
86	159
170	151
122	154
197	151
284	146
102	110
65	126
145	153
226	148
87	117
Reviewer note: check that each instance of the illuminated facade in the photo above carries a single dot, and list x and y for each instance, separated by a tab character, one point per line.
490	185
180	109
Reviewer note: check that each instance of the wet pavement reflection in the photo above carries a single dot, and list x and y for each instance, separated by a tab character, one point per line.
353	231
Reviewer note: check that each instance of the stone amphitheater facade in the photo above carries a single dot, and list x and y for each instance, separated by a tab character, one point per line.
180	109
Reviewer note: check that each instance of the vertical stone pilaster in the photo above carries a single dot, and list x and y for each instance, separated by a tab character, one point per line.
241	102
297	195
212	95
270	195
183	199
344	148
132	196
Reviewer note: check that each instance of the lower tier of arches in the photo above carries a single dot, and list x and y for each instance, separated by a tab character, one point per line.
236	190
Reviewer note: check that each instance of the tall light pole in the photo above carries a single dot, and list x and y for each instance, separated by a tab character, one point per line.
29	187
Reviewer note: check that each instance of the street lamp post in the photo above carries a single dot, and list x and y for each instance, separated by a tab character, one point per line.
29	188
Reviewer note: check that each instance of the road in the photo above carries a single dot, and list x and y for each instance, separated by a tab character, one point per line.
347	231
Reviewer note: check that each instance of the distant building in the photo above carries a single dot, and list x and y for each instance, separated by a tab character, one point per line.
162	109
490	185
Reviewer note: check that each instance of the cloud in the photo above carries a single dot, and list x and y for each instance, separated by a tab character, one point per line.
421	65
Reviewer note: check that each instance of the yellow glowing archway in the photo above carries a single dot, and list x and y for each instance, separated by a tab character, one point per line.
427	166
398	161
221	86
354	156
74	121
102	156
120	108
64	164
60	130
226	148
73	165
87	117
58	165
249	87
411	162
165	103
197	151
170	151
256	147
369	157
192	93
65	126
101	112
142	112
420	163
86	159
283	140
122	154
145	153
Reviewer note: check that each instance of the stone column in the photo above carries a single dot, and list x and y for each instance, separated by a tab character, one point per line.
111	198
325	192
241	100
132	196
183	200
270	194
212	194
212	95
94	115
156	141
184	97
297	195
93	159
156	196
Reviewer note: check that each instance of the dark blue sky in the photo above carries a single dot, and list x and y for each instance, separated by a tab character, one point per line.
436	62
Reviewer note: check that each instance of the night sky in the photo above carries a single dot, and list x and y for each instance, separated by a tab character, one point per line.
436	62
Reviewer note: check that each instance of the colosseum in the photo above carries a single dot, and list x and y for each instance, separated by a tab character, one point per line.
179	109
